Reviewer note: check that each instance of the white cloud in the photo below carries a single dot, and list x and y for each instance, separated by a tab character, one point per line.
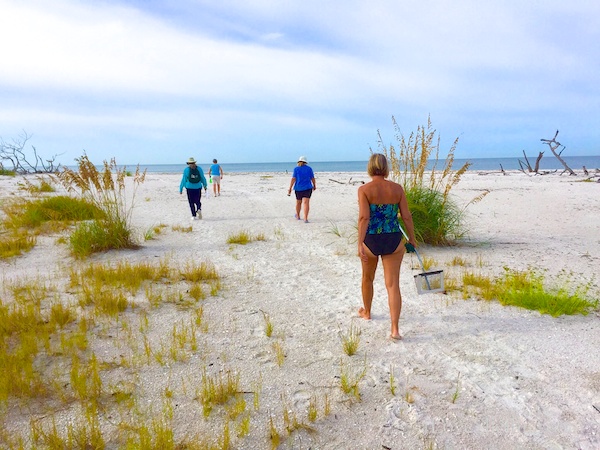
304	65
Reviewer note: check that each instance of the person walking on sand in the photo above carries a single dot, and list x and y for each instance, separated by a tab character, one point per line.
379	203
303	182
193	180
215	172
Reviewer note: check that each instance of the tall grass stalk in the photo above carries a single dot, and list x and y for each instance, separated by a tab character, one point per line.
104	188
415	164
351	340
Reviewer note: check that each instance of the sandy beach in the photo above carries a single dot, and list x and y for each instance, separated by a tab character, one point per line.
468	374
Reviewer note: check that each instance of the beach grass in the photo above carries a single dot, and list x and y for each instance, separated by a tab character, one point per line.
528	289
25	218
279	351
16	243
437	218
351	340
106	190
41	322
268	324
350	379
392	381
217	389
42	186
244	237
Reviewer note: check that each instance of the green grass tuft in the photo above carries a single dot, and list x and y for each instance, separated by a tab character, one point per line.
244	237
527	289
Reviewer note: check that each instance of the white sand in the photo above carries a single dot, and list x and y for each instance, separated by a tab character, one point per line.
478	375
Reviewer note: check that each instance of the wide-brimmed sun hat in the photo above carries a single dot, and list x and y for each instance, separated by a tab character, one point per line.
302	159
191	161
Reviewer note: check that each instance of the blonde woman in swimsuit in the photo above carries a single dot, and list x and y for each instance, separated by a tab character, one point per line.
380	202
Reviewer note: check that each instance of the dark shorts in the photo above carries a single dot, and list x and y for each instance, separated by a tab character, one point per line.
383	244
303	194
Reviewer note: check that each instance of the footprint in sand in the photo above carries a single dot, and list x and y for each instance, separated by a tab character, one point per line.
301	399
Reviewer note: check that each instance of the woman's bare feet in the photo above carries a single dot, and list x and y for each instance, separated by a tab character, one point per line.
396	337
362	312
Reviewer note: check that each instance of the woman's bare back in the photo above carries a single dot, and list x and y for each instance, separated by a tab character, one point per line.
383	192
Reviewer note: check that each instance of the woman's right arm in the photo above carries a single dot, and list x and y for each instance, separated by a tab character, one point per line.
183	178
363	221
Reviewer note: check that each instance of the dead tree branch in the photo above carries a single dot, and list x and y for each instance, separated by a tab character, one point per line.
537	162
527	161
554	145
23	162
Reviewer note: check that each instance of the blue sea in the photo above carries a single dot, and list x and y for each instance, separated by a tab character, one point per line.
548	162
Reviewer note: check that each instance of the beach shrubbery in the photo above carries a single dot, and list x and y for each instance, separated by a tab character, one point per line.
414	165
104	189
60	210
7	172
24	219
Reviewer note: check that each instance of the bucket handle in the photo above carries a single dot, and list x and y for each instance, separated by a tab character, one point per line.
418	257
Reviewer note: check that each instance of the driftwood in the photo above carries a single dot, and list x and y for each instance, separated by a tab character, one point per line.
554	145
522	165
347	182
537	163
527	161
22	161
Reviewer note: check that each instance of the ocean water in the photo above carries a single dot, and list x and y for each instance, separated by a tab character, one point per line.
548	162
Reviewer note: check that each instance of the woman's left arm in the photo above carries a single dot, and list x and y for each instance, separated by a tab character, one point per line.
407	219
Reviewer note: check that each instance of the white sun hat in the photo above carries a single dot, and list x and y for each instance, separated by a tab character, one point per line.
302	159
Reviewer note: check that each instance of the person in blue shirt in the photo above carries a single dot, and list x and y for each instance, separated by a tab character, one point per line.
216	173
303	182
193	180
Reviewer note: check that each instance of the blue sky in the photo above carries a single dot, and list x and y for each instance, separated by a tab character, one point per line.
155	82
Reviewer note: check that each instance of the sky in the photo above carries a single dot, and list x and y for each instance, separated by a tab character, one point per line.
155	82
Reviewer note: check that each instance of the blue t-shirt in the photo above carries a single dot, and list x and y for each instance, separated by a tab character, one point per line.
303	175
215	170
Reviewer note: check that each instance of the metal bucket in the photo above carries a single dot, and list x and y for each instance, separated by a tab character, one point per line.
427	282
430	282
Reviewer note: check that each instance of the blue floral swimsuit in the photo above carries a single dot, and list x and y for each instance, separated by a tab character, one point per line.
383	232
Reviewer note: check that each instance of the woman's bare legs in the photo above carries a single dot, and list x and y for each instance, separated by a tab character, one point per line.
391	273
368	275
298	206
